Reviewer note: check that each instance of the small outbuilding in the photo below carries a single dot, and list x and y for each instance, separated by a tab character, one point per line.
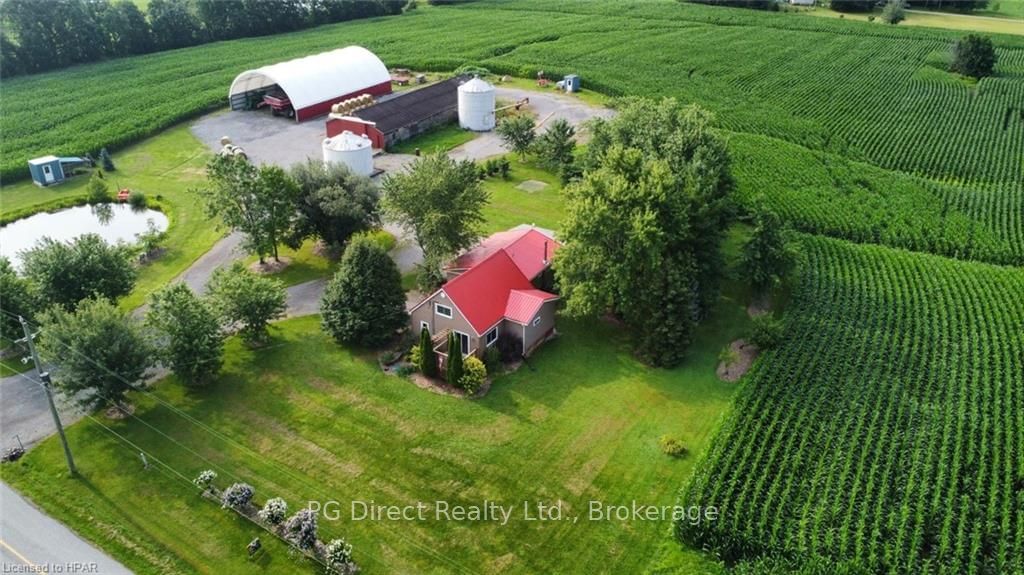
307	87
50	170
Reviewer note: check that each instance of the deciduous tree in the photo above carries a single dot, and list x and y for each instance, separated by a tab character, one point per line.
364	303
974	55
441	201
15	300
766	257
697	158
554	148
246	300
65	273
333	203
517	133
97	351
190	338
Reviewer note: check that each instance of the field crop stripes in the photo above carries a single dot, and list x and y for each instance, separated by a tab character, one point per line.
887	430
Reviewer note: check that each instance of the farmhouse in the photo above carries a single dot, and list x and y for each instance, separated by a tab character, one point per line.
306	87
498	290
402	116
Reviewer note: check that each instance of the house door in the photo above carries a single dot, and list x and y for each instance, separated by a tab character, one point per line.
47	174
463	342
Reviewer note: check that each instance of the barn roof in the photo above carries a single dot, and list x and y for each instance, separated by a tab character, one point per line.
525	245
414	106
317	78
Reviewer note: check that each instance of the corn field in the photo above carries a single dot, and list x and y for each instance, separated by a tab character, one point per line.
888	429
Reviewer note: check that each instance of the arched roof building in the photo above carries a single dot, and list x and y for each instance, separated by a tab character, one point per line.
314	83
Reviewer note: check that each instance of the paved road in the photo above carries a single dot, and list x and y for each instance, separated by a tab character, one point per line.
23	550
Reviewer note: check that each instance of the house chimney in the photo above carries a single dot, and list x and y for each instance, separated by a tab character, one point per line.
545	251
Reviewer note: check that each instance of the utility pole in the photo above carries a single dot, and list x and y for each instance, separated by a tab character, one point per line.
45	377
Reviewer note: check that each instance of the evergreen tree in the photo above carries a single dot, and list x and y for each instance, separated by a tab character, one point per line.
554	148
106	160
428	357
517	134
364	303
454	371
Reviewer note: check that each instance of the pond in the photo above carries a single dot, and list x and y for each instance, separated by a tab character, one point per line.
113	222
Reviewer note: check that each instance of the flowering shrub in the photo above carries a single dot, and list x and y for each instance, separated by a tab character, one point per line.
205	479
274	511
237	496
302	528
338	556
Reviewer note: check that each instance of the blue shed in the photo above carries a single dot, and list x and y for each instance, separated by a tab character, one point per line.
50	170
46	170
572	83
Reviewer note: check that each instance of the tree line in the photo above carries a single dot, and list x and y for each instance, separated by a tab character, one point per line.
37	37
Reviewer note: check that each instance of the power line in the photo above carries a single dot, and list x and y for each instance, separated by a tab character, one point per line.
282	469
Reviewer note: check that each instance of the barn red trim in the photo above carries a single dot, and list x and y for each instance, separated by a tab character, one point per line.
325	106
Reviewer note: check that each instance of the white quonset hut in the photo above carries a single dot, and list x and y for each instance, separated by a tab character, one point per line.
349	149
476	105
313	83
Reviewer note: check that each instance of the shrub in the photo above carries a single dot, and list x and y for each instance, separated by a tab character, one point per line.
473	375
765	331
503	167
205	479
383	238
671	446
492	359
237	496
338	556
137	200
274	511
97	190
302	528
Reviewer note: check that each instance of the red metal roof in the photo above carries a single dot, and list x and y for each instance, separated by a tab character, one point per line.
526	247
523	305
492	289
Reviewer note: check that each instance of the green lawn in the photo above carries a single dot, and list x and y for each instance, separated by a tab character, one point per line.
510	206
581	423
305	265
439	138
166	165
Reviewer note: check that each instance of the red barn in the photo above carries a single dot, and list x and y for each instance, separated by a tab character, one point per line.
309	86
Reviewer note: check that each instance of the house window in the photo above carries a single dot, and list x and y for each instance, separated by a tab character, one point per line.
491	336
443	310
463	341
536	321
424	326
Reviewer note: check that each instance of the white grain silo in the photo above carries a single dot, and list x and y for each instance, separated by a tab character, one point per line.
476	105
352	150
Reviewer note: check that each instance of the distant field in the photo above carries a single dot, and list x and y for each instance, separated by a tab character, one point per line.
888	429
984	22
840	86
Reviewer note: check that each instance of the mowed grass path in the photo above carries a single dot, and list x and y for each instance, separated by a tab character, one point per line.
580	424
166	165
